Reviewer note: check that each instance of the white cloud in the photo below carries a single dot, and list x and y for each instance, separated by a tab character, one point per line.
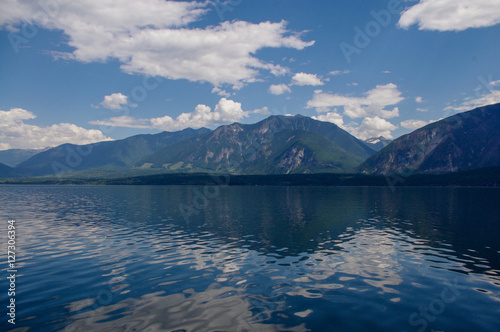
152	37
451	15
339	72
419	99
306	79
413	124
332	117
15	134
122	121
373	103
489	99
369	127
226	111
262	111
115	101
422	109
279	89
221	92
388	114
373	127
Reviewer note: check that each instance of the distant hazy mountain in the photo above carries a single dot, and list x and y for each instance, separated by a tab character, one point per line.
14	157
103	155
6	171
278	144
464	141
377	143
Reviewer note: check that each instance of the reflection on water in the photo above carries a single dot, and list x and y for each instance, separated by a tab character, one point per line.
255	259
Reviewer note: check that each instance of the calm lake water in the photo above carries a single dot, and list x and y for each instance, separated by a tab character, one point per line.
185	258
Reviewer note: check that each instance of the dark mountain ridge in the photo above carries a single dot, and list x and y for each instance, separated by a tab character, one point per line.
461	142
278	144
377	143
109	155
14	157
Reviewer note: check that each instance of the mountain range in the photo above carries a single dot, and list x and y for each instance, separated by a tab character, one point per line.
461	142
377	143
109	155
14	157
277	145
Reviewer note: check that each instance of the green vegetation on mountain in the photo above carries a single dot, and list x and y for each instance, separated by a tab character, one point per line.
275	145
282	145
112	155
14	157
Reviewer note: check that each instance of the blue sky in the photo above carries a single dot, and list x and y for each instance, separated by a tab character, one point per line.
94	70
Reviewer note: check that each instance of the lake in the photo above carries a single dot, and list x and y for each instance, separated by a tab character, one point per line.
194	258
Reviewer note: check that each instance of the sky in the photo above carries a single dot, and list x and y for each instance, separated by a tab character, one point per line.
92	70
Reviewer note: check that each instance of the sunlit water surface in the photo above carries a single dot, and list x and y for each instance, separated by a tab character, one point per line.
185	258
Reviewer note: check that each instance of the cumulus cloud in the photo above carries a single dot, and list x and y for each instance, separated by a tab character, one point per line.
372	104
15	134
226	111
332	117
413	124
261	111
451	15
373	127
115	101
306	79
419	100
279	89
221	92
122	121
339	72
152	37
493	97
369	127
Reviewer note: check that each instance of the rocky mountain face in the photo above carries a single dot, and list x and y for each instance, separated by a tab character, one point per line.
282	145
377	143
464	141
276	145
